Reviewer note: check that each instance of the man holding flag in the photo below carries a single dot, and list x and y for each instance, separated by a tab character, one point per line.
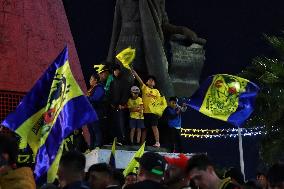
54	107
152	102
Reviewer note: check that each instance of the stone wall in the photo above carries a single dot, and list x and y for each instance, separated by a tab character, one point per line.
32	34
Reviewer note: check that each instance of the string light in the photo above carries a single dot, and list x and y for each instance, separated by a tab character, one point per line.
221	133
231	130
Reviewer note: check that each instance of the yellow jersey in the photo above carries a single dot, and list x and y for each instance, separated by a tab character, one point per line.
149	96
135	103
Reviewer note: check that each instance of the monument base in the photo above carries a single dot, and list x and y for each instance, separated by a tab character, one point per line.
185	67
122	157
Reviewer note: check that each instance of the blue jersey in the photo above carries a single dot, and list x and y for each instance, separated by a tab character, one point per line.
173	116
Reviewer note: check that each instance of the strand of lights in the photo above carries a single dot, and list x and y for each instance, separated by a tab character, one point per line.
220	135
215	131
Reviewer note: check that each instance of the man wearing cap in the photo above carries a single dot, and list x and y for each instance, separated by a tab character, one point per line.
150	172
176	175
105	77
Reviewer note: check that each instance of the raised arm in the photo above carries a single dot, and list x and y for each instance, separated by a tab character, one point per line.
137	77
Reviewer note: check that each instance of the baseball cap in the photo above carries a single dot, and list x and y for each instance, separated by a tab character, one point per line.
100	68
153	162
180	161
135	89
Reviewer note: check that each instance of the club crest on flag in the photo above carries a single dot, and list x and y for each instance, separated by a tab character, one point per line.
226	97
48	114
59	90
222	97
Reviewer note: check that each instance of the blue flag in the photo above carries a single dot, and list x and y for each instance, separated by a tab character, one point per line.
226	97
50	112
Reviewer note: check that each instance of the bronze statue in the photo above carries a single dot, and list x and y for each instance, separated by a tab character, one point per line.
143	25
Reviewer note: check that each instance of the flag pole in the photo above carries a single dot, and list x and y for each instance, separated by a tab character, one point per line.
242	164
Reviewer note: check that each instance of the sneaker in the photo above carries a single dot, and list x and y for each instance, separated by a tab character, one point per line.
157	145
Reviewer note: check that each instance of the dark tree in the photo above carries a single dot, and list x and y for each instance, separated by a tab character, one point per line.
268	73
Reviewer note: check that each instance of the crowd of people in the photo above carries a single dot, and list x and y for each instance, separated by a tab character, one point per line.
124	110
155	171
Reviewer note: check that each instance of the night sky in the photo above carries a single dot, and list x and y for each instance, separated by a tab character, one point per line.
234	31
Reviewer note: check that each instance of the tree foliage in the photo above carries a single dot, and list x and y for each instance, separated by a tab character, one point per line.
268	73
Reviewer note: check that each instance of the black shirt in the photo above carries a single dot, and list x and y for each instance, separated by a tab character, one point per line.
77	185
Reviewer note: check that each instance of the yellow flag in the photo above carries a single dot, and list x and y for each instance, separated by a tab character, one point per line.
112	154
133	164
52	171
126	57
158	106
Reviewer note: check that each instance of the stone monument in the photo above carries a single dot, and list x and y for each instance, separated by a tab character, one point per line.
186	64
144	25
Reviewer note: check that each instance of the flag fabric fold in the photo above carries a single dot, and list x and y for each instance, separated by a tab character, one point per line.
226	97
133	163
158	106
112	154
50	112
126	57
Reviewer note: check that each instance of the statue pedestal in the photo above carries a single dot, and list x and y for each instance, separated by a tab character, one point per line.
185	67
122	157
